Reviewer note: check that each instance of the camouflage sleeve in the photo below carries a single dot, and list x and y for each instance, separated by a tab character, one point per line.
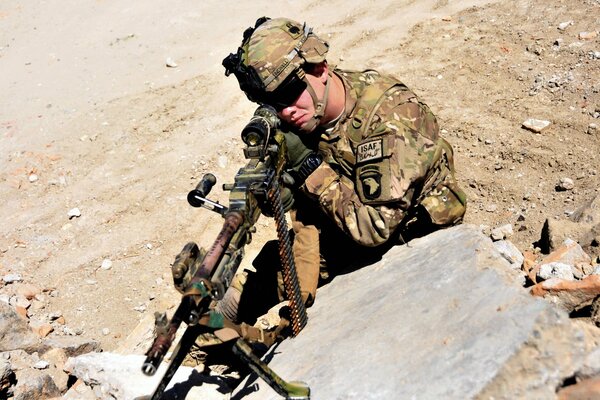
367	225
395	167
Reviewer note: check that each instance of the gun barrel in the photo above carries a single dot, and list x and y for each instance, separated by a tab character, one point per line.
163	341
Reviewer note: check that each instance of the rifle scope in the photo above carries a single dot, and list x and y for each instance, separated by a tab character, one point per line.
257	131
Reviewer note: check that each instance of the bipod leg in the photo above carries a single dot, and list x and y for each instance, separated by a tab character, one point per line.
183	348
289	390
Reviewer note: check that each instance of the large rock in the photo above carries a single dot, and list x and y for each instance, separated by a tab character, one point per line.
435	319
116	376
36	385
14	331
71	345
568	294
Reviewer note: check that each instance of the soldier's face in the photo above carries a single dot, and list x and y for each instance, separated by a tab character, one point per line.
301	111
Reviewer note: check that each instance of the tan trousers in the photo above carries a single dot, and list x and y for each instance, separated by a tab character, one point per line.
306	258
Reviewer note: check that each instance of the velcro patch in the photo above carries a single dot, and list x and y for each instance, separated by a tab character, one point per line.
372	150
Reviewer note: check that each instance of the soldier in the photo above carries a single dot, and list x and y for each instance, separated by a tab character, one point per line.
369	167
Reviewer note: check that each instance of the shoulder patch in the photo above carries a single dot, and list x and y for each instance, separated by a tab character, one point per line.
368	151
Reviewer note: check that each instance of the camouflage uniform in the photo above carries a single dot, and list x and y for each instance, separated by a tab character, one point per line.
385	168
384	158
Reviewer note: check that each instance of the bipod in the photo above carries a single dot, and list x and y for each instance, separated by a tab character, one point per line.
290	390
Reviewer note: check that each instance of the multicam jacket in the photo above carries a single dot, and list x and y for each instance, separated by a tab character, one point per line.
383	159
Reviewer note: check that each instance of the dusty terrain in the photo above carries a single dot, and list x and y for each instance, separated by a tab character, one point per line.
91	117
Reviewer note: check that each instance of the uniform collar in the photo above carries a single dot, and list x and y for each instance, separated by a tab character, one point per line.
330	132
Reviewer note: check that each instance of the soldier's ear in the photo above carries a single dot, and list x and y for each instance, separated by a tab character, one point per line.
320	71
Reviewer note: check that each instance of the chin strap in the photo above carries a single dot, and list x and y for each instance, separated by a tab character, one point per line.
319	104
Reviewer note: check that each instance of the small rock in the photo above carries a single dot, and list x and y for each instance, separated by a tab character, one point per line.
141	308
511	253
171	63
55	315
22	311
68	331
592	128
19	301
105	331
149	246
557	43
491	208
222	161
556	270
564	25
43	330
502	232
28	291
588	35
10	278
565	184
535	125
41	364
74	213
33	178
106	264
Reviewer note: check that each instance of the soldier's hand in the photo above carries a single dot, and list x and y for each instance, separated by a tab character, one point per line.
297	151
287	201
301	160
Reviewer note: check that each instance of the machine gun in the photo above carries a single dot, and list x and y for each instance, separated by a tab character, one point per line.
203	277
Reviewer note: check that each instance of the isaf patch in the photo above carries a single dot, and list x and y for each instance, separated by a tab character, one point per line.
368	151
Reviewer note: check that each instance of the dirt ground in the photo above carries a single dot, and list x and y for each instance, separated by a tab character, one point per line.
92	118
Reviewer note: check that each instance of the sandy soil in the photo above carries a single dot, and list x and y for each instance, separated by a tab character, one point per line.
91	117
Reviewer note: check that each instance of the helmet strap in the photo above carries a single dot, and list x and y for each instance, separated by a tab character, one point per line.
319	104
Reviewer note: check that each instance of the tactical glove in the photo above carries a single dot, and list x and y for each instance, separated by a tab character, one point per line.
287	201
301	160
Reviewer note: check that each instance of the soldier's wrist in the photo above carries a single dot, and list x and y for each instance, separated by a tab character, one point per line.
308	166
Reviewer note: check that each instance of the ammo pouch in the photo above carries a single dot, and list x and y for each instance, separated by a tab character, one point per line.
446	203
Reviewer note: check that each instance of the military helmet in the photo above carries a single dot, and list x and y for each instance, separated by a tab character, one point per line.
268	64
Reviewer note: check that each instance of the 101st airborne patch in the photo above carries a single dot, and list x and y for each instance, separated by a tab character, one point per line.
370	179
368	151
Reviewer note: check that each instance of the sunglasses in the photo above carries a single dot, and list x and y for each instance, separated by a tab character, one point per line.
286	93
